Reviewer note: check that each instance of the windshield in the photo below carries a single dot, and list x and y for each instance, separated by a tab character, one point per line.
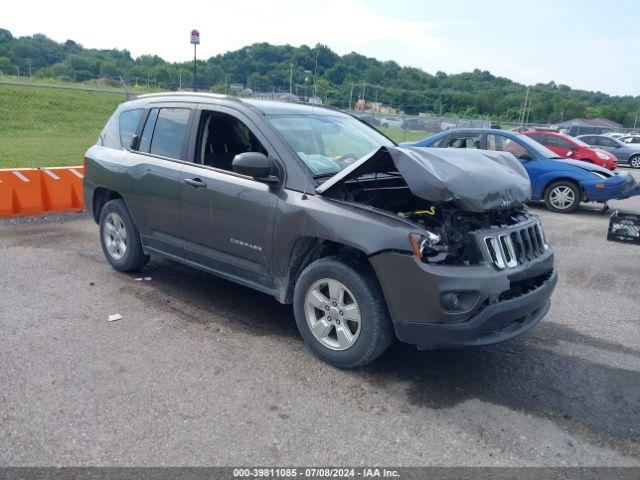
328	143
531	143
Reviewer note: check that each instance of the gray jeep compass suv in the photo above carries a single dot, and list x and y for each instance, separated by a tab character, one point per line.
368	240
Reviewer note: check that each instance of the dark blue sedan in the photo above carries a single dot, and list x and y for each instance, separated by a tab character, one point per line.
561	183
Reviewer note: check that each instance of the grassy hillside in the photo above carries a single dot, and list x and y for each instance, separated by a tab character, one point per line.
43	127
46	127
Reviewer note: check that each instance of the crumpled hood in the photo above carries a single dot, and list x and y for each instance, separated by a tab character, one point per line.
475	180
590	167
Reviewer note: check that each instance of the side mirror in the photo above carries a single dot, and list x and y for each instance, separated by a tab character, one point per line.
526	157
256	165
135	143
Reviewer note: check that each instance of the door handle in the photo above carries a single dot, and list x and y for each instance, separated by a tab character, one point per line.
195	182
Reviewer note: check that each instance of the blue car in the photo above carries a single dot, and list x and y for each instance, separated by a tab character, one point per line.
560	182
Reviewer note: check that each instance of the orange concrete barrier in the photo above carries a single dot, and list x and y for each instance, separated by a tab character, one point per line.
34	191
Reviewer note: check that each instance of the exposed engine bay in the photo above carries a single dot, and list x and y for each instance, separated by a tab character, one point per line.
449	239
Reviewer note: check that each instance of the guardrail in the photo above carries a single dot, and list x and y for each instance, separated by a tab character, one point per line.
36	191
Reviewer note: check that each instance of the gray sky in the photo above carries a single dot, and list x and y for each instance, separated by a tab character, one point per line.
586	44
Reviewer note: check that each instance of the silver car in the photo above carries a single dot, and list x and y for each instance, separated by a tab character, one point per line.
626	153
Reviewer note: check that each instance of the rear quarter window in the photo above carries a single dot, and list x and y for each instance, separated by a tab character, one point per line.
170	132
128	122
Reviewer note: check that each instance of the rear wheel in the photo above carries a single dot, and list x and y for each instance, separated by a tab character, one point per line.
562	196
120	238
635	161
341	313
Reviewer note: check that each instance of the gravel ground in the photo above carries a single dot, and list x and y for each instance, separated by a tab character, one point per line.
203	372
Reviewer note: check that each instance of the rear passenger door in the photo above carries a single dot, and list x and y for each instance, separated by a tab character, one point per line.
154	191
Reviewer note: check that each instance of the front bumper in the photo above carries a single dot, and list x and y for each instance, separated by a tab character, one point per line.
618	187
499	309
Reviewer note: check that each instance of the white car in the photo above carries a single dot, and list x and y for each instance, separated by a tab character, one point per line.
630	139
393	122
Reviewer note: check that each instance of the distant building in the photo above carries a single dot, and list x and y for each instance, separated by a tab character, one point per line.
581	126
377	107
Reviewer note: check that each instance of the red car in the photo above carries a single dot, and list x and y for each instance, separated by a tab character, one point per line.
570	147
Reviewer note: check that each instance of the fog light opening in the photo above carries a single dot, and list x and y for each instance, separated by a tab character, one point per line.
451	301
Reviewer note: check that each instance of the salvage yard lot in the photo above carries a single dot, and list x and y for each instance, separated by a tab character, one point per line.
200	371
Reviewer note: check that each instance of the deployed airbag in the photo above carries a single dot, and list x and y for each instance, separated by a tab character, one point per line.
474	180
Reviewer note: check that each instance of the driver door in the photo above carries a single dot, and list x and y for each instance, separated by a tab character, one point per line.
227	219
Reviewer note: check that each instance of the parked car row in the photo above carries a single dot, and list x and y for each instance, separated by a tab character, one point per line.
570	147
561	182
626	153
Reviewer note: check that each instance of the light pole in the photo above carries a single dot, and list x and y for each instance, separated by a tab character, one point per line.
195	40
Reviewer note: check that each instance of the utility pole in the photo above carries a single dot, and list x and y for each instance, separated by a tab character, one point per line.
179	81
315	75
364	88
351	96
528	111
635	121
524	107
29	65
291	79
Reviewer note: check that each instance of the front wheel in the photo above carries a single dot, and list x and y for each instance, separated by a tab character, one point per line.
635	161
341	313
562	197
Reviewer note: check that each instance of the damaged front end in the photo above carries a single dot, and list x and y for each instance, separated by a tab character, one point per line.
467	204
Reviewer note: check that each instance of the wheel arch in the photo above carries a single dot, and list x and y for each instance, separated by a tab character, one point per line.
101	196
306	250
562	179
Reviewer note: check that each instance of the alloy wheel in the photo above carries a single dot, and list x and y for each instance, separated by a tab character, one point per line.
332	314
562	197
115	236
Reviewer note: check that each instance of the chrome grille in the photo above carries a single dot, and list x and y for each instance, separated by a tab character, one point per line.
513	246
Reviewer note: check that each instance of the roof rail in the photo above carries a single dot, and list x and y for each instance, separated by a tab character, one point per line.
189	94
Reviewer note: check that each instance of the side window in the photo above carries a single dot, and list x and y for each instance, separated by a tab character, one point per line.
170	131
464	141
128	123
553	141
147	132
588	140
607	142
500	143
221	138
538	137
443	142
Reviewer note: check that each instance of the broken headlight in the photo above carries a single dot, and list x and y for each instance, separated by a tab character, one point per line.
429	247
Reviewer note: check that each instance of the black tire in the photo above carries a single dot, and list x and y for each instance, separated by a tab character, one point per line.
634	161
134	257
376	330
562	184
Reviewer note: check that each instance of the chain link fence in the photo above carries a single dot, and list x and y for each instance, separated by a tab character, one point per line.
42	125
52	125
